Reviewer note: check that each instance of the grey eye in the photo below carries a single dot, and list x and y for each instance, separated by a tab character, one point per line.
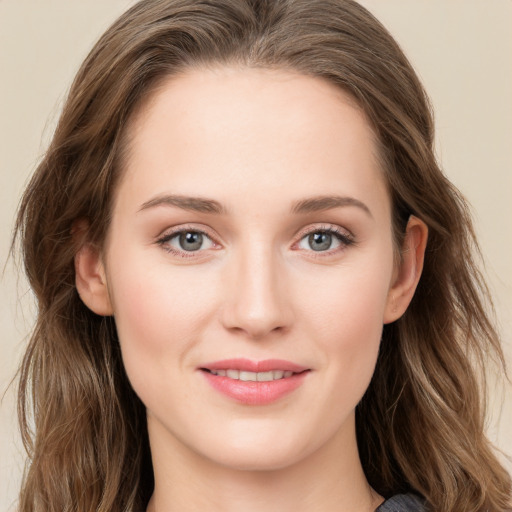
186	241
320	241
190	240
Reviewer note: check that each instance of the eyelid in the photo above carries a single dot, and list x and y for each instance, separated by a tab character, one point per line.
329	228
179	228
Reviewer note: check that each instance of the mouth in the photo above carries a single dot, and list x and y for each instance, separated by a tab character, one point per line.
246	376
254	382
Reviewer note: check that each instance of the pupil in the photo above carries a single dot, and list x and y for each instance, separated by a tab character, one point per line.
320	241
191	241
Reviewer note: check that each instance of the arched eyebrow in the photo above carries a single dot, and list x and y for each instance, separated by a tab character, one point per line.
205	205
321	203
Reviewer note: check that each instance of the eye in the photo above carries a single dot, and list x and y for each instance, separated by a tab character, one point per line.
186	241
324	240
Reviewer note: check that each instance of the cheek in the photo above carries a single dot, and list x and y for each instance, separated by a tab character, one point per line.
353	333
348	300
140	318
159	311
346	319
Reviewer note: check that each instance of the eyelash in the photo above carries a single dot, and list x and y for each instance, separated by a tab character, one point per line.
345	239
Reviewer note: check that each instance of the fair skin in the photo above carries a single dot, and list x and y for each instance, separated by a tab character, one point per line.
261	268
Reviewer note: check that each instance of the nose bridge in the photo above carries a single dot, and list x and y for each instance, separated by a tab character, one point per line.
257	301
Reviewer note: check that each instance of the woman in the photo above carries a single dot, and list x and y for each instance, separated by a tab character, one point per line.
255	286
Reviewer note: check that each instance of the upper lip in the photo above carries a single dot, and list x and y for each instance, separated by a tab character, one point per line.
248	365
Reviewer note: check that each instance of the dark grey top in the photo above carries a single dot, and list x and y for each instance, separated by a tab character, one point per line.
403	503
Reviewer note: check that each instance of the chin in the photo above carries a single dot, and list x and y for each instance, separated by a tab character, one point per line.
270	452
263	461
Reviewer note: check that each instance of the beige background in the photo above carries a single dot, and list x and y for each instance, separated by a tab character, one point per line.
462	49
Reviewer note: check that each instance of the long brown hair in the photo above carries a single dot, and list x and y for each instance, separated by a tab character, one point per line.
420	426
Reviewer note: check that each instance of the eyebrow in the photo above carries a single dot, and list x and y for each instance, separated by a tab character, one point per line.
196	204
321	203
204	205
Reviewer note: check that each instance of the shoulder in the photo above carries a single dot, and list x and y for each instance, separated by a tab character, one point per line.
403	503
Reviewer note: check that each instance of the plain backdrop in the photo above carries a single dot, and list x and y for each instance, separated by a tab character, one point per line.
462	50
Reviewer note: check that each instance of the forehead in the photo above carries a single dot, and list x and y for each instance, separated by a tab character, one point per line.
232	130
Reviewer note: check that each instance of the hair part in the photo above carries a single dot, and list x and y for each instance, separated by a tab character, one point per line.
420	426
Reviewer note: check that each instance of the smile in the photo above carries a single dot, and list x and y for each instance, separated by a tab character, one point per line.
254	382
253	376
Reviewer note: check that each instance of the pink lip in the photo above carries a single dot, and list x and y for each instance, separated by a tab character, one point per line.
250	392
247	365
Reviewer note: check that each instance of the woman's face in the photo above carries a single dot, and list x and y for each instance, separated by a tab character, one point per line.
250	265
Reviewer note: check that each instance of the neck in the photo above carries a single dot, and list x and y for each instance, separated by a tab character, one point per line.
331	479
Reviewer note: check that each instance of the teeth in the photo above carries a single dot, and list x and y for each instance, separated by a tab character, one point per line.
245	376
265	376
253	376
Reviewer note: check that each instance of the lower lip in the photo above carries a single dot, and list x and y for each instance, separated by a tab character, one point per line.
255	393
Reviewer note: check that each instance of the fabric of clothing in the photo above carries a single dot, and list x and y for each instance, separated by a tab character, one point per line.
403	503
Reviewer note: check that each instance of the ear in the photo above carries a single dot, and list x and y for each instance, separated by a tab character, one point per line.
90	278
408	270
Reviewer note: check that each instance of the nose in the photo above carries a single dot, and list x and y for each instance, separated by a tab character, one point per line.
257	300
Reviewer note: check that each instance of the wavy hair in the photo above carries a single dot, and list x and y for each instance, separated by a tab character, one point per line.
420	425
